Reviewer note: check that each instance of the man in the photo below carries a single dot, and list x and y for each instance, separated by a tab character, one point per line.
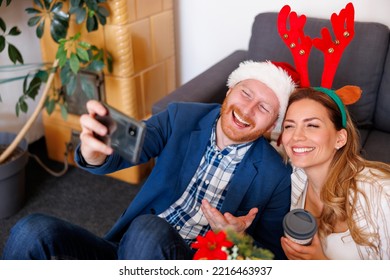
214	170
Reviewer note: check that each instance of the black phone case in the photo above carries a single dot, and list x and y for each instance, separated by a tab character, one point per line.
125	134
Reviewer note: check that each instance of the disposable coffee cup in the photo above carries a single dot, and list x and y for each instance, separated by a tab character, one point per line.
300	226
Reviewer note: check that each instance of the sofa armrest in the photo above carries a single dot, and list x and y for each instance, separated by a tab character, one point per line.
207	87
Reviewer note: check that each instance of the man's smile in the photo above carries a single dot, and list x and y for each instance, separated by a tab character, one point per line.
239	120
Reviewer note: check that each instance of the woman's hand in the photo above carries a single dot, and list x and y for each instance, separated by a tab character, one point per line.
296	251
219	221
93	151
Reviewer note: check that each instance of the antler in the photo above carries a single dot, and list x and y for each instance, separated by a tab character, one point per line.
295	39
343	27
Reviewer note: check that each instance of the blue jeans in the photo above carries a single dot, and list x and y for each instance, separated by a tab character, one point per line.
42	237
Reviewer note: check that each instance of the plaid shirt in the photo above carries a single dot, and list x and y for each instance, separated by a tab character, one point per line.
209	182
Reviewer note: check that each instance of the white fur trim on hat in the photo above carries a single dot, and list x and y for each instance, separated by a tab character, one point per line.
276	78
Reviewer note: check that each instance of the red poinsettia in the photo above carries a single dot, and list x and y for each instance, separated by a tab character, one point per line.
210	246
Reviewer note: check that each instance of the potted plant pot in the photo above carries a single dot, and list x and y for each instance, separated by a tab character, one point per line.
12	176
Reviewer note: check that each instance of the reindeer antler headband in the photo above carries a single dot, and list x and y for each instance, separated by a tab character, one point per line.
300	46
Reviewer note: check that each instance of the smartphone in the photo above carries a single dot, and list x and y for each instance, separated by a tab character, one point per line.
125	134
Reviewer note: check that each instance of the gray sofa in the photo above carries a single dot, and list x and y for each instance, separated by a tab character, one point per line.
365	62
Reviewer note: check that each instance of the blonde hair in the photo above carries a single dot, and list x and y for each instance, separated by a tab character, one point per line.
340	192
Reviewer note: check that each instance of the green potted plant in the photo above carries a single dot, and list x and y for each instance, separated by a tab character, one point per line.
73	55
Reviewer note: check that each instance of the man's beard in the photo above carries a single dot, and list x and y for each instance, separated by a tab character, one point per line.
234	134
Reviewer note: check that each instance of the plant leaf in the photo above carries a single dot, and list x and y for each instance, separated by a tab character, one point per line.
42	75
63	41
102	19
62	60
76	36
81	14
61	17
75	3
14	54
33	20
98	54
59	26
64	112
25	84
94	48
82	54
110	61
3	26
47	4
65	74
96	66
32	11
61	52
71	85
103	11
15	31
92	5
50	105
102	14
92	24
40	29
74	63
39	3
2	43
87	87
57	30
17	110
34	87
23	106
57	7
84	45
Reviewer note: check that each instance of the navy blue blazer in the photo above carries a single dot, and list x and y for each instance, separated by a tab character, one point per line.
178	138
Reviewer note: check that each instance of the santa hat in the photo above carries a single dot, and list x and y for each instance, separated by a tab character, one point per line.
280	77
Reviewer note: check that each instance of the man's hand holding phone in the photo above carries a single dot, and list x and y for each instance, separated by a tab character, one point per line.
92	149
107	129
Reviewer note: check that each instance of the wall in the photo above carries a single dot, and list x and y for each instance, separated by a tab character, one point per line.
151	25
209	30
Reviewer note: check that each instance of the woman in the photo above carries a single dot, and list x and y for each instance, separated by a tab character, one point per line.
349	196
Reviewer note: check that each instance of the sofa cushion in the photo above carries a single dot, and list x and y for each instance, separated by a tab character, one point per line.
375	146
363	135
382	116
361	64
